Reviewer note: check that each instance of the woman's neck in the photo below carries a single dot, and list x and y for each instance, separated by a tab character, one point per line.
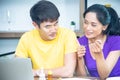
102	38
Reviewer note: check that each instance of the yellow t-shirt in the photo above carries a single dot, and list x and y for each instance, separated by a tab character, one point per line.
47	54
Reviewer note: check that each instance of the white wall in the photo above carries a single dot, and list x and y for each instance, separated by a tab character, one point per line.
14	14
114	4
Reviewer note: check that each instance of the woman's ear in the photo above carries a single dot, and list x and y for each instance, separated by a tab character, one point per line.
35	25
105	27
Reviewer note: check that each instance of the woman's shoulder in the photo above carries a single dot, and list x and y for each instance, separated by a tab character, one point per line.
83	40
113	38
113	42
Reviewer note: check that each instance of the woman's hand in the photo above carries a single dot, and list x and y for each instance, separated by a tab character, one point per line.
81	51
96	49
81	70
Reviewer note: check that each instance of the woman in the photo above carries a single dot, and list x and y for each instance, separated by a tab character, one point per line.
100	47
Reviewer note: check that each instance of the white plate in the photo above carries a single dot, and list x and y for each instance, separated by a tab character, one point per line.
75	79
113	78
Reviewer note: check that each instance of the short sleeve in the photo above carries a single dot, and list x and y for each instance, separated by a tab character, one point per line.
71	43
22	49
83	41
115	43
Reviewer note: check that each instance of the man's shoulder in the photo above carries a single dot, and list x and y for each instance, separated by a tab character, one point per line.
29	33
64	30
66	34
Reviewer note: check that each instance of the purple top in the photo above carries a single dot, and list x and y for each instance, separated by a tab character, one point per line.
112	43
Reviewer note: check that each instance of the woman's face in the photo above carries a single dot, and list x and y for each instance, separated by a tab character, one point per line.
92	27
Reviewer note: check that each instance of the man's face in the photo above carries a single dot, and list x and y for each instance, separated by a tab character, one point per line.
48	30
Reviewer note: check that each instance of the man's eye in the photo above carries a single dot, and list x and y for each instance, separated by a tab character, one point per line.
47	26
56	24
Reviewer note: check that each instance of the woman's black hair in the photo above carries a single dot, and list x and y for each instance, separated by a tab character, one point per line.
44	11
114	26
106	16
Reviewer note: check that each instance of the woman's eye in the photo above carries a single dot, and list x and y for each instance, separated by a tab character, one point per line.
94	25
85	22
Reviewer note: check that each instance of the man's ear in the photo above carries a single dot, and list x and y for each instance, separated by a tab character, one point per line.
35	25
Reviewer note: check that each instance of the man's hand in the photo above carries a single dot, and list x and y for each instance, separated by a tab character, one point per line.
35	72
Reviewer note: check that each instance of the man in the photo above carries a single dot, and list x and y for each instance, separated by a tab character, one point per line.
48	45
